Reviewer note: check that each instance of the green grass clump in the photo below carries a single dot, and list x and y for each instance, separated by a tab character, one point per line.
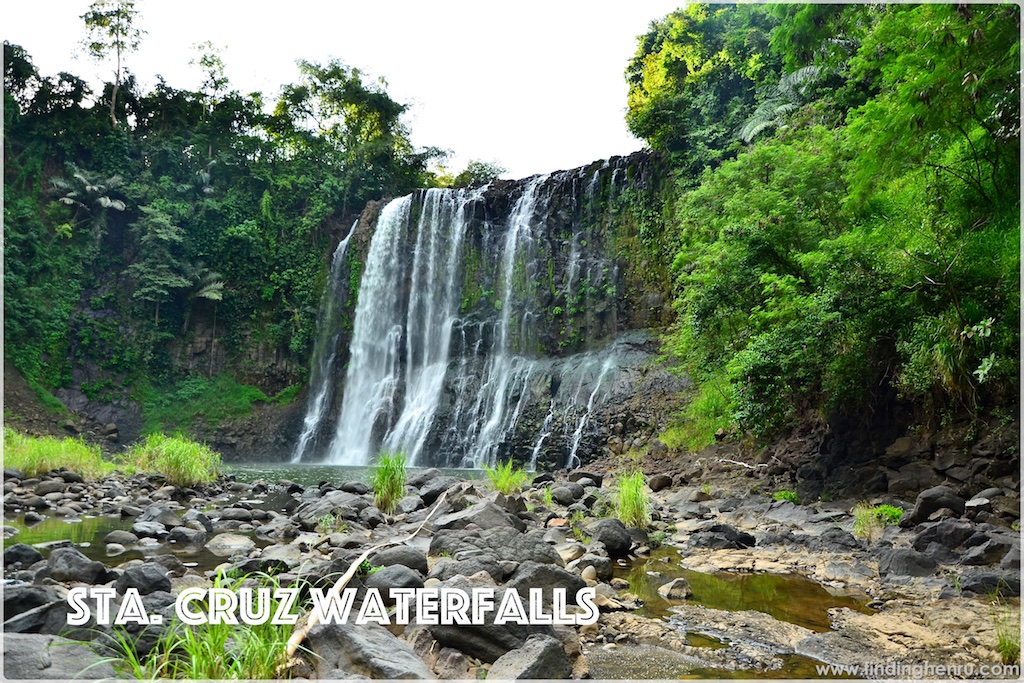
786	495
708	411
549	498
868	520
211	651
1007	628
35	456
182	461
506	477
388	481
631	502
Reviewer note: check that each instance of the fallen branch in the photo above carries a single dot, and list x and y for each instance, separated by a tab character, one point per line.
742	464
300	634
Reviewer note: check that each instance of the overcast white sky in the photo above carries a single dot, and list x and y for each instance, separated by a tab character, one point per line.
536	85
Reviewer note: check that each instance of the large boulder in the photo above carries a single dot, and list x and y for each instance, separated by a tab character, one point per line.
546	577
485	515
505	544
722	536
905	562
48	657
405	555
613	534
22	554
69	565
364	650
333	503
146	578
541	656
932	500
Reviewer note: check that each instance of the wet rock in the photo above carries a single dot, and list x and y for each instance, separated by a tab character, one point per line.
541	656
145	578
22	554
50	486
122	537
404	555
115	549
186	536
931	500
228	544
236	514
160	514
368	650
408	505
546	577
68	565
356	487
195	519
676	589
562	495
613	534
48	657
150	530
905	562
418	479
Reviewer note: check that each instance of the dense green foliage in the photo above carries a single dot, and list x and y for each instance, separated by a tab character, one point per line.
847	230
137	223
632	502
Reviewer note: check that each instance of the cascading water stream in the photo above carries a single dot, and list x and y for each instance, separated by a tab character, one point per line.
324	352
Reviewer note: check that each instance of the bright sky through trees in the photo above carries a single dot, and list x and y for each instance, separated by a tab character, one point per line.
534	85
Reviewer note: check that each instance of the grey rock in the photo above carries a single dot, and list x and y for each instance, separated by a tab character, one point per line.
48	657
722	536
70	565
659	482
613	534
186	536
371	517
485	515
336	503
576	475
236	514
1012	559
199	518
602	566
988	582
122	537
905	562
562	495
149	530
504	544
356	487
447	568
367	650
432	489
24	597
949	533
405	555
932	500
531	575
228	544
418	479
676	589
23	554
145	578
408	504
989	552
541	656
50	486
160	514
395	576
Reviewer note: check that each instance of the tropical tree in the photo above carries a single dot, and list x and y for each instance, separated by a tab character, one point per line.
111	30
89	195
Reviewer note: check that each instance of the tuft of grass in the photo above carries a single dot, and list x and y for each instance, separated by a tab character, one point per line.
549	498
328	524
631	503
1007	628
388	481
35	456
182	461
786	495
506	477
868	521
210	651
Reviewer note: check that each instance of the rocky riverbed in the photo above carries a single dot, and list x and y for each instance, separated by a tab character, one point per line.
674	600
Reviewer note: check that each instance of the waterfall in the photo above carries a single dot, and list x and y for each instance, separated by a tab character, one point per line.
484	326
321	385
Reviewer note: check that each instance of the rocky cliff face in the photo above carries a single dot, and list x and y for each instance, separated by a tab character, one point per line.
488	322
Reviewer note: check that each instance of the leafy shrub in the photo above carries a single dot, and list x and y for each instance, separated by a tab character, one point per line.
388	481
787	496
868	521
35	456
506	477
182	461
631	502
